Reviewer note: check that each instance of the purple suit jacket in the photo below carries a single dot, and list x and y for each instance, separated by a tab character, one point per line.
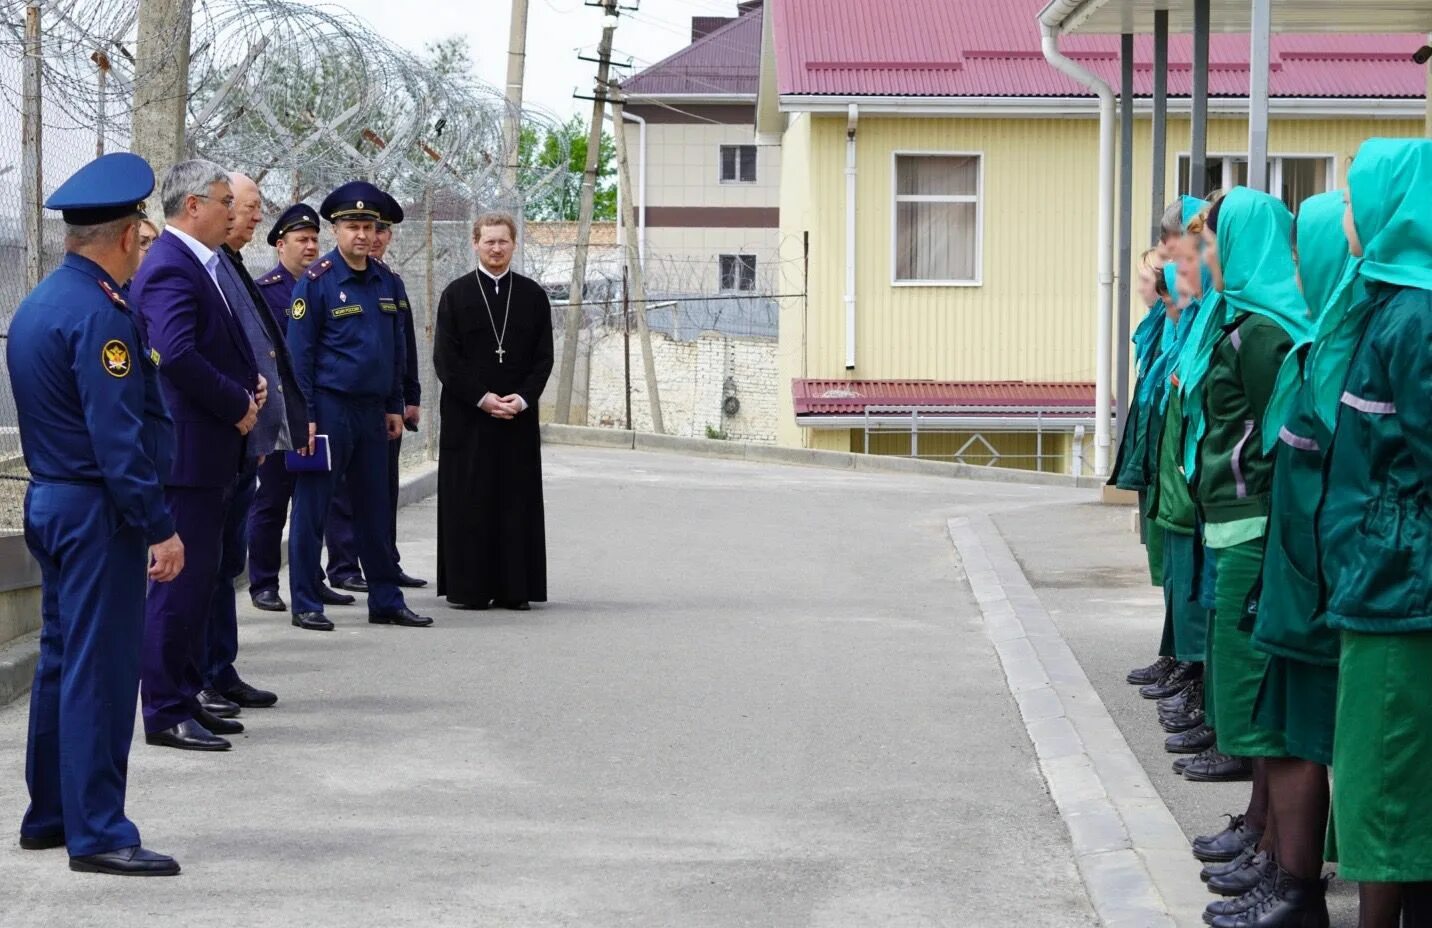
206	365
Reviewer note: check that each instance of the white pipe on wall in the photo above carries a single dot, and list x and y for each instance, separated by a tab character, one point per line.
1048	24
852	119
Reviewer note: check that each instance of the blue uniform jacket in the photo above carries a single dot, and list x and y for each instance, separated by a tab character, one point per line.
207	367
344	334
277	289
88	395
412	379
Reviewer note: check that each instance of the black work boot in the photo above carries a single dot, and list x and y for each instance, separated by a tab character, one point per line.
1194	741
1182	674
1189	699
1216	767
1182	764
1228	843
1175	724
1293	903
1210	871
1244	878
1237	906
1153	673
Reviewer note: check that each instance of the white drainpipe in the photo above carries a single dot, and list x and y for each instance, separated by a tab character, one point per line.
851	120
640	186
1049	22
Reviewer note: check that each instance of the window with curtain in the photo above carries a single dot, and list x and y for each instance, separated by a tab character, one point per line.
937	216
1293	179
738	273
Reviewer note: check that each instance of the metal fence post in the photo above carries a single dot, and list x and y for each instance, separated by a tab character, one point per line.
32	189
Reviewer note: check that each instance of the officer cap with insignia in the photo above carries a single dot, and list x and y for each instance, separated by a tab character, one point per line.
390	212
110	187
297	216
356	199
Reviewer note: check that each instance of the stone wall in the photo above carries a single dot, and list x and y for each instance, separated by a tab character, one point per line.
695	378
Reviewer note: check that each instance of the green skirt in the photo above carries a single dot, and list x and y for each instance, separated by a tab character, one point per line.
1185	619
1298	702
1154	548
1382	758
1236	667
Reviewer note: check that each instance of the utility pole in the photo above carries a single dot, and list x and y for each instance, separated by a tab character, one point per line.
32	188
512	124
633	261
161	85
573	329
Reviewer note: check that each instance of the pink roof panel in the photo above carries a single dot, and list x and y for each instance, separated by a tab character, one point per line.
847	397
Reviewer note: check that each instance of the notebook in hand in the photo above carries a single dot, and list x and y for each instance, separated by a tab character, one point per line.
320	460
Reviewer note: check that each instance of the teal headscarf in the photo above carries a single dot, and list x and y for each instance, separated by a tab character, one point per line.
1156	382
1331	287
1390	187
1192	206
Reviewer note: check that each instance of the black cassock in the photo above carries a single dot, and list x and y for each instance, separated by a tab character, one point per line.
491	539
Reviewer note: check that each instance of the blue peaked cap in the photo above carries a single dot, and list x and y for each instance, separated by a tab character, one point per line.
110	187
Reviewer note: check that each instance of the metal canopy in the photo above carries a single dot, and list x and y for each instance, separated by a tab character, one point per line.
1114	17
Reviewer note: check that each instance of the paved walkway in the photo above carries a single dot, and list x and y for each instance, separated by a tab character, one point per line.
762	696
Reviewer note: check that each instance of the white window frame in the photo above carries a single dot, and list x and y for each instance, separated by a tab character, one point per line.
754	265
896	199
737	181
1275	166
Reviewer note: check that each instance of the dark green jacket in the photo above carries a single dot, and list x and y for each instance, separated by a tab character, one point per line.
1131	470
1170	504
1375	522
1291	622
1234	476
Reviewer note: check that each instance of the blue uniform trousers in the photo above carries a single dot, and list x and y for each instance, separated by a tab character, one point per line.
357	443
270	512
223	642
178	614
340	536
82	704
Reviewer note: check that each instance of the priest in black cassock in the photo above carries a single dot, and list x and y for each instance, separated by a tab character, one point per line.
493	354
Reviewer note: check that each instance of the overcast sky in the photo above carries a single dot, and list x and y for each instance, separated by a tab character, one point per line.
557	31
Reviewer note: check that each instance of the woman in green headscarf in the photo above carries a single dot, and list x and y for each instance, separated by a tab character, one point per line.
1375	534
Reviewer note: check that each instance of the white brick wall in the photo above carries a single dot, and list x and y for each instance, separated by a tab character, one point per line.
692	378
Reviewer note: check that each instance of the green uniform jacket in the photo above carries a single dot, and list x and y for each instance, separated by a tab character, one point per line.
1170	504
1234	476
1291	622
1375	522
1130	470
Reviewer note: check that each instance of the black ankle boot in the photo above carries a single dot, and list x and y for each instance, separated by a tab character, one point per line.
1228	843
1188	699
1244	903
1194	741
1244	878
1182	674
1293	903
1153	673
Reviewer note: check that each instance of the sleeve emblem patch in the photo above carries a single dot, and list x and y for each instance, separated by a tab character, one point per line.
115	356
298	309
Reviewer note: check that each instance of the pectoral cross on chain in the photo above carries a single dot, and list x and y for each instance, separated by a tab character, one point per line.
500	353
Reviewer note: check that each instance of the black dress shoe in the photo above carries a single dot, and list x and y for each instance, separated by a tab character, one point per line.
216	725
1189	699
250	697
188	736
268	601
403	616
1153	673
1291	903
333	598
1174	724
129	861
214	703
1210	871
1226	844
1218	767
1258	868
42	842
411	583
312	621
1239	904
1194	741
1182	674
353	584
519	606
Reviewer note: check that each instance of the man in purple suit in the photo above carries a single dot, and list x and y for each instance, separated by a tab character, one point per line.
213	389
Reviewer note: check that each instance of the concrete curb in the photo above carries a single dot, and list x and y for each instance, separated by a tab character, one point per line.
1130	851
18	658
801	457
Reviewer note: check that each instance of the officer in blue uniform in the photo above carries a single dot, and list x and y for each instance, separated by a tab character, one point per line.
98	443
346	341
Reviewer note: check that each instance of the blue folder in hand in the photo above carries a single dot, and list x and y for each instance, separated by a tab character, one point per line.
319	461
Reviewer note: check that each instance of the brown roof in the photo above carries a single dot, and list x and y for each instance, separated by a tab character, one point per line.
724	61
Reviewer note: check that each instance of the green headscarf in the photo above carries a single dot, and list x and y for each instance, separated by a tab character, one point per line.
1390	187
1331	287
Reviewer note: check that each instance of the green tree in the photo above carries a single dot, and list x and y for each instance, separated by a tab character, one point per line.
565	148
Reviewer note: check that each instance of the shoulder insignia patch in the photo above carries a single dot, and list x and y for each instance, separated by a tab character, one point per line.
387	305
297	310
318	269
271	279
403	305
115	358
113	294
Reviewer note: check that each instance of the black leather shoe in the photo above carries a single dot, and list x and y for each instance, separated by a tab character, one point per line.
42	842
1226	844
403	616
1218	767
268	601
1291	903
312	621
1153	673
483	606
1238	905
250	697
214	703
188	736
1194	741
129	861
1176	724
411	583
1258	868
333	598
1182	674
216	725
1189	699
520	606
353	584
1210	871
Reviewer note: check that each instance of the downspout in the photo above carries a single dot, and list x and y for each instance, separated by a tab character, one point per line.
640	186
1049	22
852	119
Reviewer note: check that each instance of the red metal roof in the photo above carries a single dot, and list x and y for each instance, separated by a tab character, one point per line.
846	397
726	61
991	48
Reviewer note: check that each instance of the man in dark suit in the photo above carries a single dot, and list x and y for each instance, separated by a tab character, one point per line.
214	392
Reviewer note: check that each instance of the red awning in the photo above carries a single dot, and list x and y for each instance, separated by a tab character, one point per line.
846	397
